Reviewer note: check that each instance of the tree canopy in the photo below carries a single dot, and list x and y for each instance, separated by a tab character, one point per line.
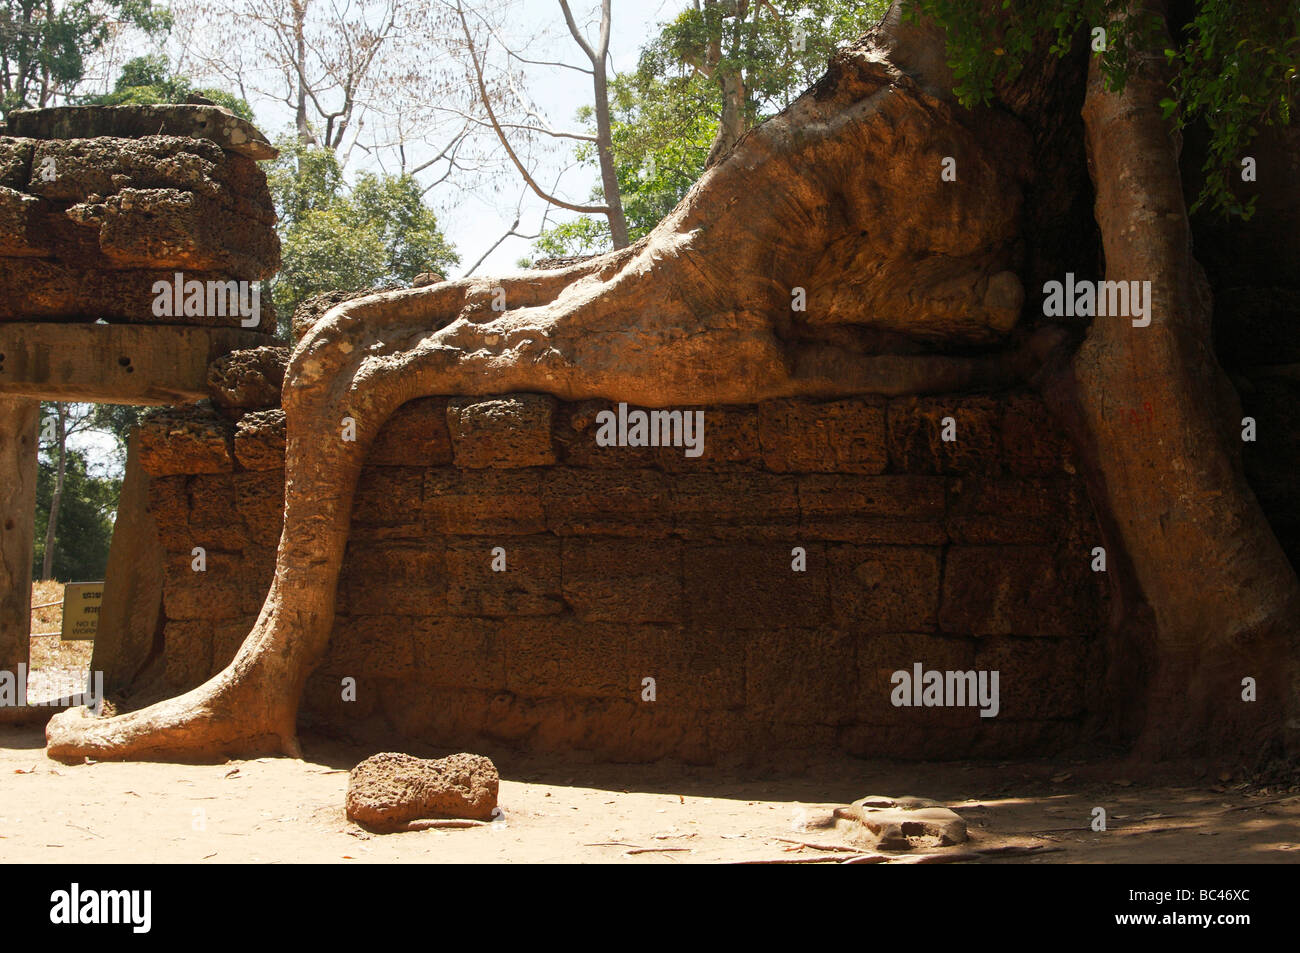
377	232
1234	65
44	47
149	79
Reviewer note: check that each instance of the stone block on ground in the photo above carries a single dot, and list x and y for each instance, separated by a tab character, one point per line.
387	791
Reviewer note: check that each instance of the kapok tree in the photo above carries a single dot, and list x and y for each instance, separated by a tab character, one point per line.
910	282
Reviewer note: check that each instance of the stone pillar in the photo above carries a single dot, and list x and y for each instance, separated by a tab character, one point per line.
18	421
132	604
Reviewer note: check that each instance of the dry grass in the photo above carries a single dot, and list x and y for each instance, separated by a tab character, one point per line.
49	651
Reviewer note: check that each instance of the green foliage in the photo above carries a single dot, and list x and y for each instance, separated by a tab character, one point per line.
86	513
44	46
1234	64
665	114
779	46
377	233
147	79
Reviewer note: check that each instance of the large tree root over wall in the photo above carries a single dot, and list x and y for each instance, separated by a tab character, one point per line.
840	197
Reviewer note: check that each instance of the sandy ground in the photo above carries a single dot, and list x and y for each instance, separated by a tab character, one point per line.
276	810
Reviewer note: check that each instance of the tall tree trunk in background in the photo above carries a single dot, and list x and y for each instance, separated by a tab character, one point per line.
1224	596
732	125
598	56
305	135
605	150
731	84
51	526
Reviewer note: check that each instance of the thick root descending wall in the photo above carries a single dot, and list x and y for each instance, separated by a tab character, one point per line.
627	563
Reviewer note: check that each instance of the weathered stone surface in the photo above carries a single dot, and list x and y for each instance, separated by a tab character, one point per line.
1034	444
393	578
528	585
741	585
100	221
693	670
558	657
387	791
898	824
189	653
884	588
415	436
730	441
916	435
139	364
484	502
617	573
872	509
45	289
215	520
843	436
373	646
748	506
1017	590
15	160
507	433
623	580
1025	510
799	676
459	653
259	500
606	503
169	505
20	218
879	656
135	121
1037	678
185	440
248	379
389	497
259	440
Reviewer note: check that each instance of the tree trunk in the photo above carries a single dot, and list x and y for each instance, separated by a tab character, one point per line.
732	125
1224	596
56	497
605	149
305	135
19	417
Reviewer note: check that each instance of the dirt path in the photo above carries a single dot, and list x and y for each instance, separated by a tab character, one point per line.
277	810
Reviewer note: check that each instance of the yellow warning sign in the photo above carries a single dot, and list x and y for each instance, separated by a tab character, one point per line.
81	601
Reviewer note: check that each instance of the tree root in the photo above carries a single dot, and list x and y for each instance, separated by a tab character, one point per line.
702	311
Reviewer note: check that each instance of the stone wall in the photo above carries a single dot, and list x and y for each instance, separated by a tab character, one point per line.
628	563
92	217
